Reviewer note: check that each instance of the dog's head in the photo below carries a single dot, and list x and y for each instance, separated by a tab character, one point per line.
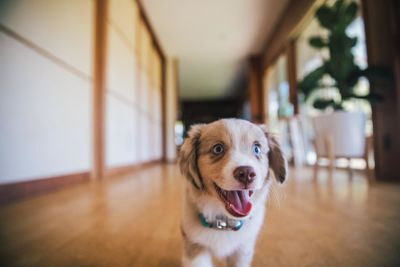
230	159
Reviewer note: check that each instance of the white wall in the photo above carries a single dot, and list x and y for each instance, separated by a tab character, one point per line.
46	59
63	28
45	108
121	98
133	124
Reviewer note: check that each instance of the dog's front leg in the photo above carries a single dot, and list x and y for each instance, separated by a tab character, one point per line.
242	257
195	255
203	259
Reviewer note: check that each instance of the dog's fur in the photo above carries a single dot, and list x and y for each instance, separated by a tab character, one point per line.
203	169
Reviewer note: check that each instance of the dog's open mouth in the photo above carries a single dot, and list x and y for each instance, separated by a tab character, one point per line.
237	202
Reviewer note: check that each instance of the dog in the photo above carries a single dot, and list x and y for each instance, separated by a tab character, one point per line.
227	164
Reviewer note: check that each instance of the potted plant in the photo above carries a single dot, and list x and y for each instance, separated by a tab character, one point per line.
340	73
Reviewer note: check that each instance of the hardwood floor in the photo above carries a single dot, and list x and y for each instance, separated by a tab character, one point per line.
133	220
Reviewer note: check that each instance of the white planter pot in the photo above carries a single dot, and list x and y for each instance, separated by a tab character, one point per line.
346	131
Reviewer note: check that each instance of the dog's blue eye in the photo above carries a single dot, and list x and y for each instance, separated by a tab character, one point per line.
218	149
256	149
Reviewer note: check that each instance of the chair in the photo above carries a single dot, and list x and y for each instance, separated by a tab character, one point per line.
341	135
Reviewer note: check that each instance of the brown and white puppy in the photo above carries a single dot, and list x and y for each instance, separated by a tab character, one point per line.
227	165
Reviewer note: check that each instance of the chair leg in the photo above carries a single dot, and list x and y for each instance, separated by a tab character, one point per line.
316	167
349	169
331	154
368	173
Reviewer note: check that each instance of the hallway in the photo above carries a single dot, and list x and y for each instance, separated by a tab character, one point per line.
97	98
133	220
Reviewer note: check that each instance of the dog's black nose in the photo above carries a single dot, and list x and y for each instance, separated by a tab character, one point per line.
244	174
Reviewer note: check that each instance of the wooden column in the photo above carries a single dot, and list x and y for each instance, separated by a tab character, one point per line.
290	24
382	37
164	107
292	74
256	89
99	88
171	108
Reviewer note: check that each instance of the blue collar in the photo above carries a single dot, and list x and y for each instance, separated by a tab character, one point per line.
221	223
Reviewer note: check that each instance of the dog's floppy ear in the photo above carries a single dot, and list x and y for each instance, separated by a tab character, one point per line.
188	155
276	158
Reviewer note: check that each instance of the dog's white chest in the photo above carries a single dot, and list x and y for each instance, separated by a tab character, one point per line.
221	243
225	242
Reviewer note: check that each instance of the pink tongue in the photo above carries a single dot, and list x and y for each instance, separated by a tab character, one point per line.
239	203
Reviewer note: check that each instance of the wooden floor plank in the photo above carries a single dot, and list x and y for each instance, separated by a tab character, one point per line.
133	220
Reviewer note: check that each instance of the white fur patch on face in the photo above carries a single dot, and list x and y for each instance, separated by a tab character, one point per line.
238	159
232	174
243	137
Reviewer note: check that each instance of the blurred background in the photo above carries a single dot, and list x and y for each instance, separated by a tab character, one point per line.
96	96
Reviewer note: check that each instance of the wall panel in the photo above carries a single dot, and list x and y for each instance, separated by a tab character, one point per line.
134	97
124	15
46	69
122	113
45	113
62	27
121	69
121	133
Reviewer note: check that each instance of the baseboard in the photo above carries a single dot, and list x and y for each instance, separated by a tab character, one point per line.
15	191
115	171
19	190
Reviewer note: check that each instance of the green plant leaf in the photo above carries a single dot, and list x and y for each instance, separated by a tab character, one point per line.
325	16
372	98
317	42
352	41
350	14
311	81
340	65
337	6
323	103
375	72
372	73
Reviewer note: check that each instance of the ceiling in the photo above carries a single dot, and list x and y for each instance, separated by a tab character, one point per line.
212	39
